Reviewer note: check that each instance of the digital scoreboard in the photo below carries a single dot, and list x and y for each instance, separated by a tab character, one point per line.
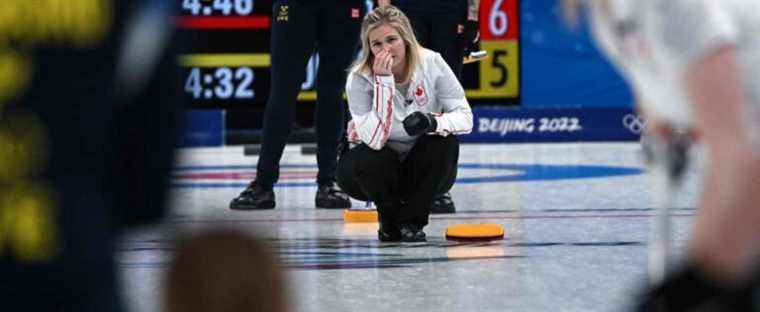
227	62
498	77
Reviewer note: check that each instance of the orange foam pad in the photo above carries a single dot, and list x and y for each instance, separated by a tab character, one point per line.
359	215
482	230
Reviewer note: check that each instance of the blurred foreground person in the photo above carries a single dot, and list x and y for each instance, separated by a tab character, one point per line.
692	65
224	270
89	96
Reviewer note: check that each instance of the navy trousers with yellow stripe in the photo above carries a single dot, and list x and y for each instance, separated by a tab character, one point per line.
299	27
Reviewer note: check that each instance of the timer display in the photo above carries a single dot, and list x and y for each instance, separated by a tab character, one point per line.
226	64
225	7
220	83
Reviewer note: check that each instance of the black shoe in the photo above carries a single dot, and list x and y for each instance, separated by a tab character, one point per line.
388	233
442	204
411	233
331	197
253	197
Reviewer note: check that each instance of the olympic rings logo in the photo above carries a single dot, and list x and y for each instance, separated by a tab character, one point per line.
634	123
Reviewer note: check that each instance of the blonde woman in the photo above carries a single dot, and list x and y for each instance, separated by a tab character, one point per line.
403	151
693	63
449	27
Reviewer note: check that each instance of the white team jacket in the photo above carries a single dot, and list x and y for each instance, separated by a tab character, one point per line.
654	42
378	110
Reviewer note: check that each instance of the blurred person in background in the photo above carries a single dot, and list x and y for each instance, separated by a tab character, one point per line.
298	28
692	64
89	98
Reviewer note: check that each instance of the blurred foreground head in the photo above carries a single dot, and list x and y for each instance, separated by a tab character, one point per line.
224	270
571	11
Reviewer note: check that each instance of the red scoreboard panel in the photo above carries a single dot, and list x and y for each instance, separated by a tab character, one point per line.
227	62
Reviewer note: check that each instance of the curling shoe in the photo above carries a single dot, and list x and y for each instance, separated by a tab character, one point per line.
412	233
330	196
442	204
254	197
388	233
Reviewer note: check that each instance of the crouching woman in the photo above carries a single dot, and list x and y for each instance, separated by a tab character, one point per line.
407	107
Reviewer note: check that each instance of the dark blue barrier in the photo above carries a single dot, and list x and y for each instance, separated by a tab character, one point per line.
499	125
203	128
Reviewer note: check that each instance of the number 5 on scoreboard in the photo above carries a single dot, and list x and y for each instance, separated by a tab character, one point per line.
500	75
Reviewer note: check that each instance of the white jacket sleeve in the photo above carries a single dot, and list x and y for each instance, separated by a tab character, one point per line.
457	114
371	106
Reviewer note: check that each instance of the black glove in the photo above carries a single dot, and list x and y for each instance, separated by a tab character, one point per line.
419	123
471	37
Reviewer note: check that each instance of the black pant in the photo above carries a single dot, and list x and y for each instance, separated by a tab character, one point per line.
401	190
298	27
439	32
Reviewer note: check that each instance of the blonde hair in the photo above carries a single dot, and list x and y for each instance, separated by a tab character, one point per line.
391	16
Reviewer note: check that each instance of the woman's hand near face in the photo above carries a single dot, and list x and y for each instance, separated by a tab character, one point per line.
383	63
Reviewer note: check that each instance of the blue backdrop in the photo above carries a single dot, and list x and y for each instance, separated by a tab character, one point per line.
561	67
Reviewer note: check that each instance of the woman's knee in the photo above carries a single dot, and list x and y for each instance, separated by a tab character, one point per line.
369	161
346	178
441	150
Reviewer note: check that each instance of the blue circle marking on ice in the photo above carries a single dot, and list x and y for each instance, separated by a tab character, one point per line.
496	173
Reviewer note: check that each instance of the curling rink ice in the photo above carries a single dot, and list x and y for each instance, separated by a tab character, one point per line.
576	216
